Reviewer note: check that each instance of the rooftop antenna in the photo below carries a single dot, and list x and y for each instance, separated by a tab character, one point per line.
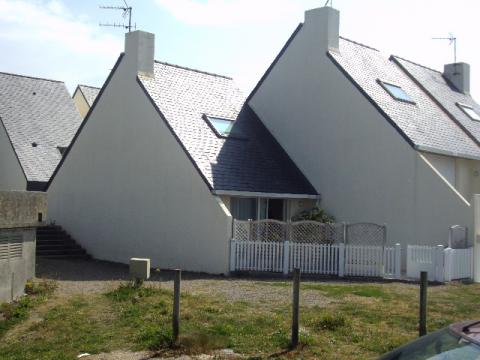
453	40
127	11
329	1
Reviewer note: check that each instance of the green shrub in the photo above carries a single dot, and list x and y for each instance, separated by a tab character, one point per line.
315	214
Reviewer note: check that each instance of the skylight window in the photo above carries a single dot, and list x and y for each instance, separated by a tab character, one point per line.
472	114
222	126
396	92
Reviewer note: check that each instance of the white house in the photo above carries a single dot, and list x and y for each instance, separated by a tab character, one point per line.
37	122
383	139
84	96
163	160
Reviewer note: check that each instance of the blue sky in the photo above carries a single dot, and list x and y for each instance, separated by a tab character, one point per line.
61	39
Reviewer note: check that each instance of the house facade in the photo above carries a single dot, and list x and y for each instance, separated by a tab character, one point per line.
383	139
169	154
37	122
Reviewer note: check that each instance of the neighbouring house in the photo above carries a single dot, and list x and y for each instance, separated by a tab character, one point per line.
38	119
383	139
20	213
168	155
83	97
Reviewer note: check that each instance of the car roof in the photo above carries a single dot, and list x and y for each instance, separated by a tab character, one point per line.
469	330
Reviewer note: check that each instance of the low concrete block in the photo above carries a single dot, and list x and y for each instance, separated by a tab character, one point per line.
140	268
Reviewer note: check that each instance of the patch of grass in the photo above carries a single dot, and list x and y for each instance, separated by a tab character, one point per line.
359	321
19	310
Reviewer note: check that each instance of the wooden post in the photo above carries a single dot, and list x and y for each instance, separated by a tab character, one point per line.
295	307
422	328
176	304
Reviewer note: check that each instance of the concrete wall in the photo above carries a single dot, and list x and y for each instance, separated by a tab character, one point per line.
81	103
139	195
11	174
18	219
362	167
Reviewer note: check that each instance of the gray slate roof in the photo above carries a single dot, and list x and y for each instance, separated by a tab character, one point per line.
447	95
424	123
37	111
254	163
90	93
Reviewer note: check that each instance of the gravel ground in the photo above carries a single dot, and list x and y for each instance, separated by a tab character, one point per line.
93	276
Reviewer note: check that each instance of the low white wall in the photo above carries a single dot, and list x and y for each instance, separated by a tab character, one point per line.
127	189
11	174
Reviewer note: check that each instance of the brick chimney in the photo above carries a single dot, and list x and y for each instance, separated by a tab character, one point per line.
458	75
140	51
325	22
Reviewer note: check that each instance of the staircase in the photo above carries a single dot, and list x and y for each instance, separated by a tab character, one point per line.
54	242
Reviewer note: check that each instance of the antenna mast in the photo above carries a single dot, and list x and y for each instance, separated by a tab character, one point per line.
453	40
127	11
329	1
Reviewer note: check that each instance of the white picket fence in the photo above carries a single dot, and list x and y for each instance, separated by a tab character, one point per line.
323	259
440	263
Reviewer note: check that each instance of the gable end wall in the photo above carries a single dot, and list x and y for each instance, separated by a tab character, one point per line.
11	173
127	189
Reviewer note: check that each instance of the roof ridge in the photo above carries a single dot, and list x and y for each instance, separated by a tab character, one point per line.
89	86
414	63
191	69
358	43
30	77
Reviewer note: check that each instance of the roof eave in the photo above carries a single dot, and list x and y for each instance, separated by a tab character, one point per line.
265	194
433	150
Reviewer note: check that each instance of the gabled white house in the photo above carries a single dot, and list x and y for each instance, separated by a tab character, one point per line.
163	160
37	122
383	139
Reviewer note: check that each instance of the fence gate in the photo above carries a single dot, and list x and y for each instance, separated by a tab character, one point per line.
425	258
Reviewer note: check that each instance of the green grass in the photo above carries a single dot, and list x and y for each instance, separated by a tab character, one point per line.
359	321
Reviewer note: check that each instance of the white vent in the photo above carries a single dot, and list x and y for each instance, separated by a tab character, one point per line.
11	246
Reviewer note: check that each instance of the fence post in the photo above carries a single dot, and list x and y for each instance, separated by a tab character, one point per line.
448	266
233	254
286	257
341	260
295	307
439	263
176	304
250	227
344	232
422	326
398	261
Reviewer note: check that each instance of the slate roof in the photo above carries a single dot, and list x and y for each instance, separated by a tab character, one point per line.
37	111
424	124
445	93
90	93
254	162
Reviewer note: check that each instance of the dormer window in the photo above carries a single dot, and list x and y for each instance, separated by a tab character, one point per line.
471	113
396	92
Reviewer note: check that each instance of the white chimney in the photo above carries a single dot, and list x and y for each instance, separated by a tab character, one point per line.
325	22
458	75
140	51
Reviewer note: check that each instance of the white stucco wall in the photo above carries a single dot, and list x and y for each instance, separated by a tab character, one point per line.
127	189
361	166
11	174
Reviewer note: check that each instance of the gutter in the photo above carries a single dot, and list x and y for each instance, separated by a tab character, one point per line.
265	195
433	150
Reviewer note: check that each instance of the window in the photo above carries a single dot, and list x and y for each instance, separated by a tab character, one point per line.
258	208
396	92
222	126
472	114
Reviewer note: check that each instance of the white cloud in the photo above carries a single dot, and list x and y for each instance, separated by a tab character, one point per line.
231	12
42	38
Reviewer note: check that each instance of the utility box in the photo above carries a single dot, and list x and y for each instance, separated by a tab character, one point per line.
139	269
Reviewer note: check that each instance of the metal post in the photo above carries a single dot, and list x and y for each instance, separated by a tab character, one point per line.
295	307
176	304
422	328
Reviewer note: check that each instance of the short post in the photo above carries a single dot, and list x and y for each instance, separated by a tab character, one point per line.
439	263
341	260
233	254
398	261
286	257
176	304
295	307
448	266
422	327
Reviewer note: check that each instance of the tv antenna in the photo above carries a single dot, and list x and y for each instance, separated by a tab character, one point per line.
127	11
329	1
453	40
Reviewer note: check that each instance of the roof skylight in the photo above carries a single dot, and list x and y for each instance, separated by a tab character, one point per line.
472	114
396	92
222	126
